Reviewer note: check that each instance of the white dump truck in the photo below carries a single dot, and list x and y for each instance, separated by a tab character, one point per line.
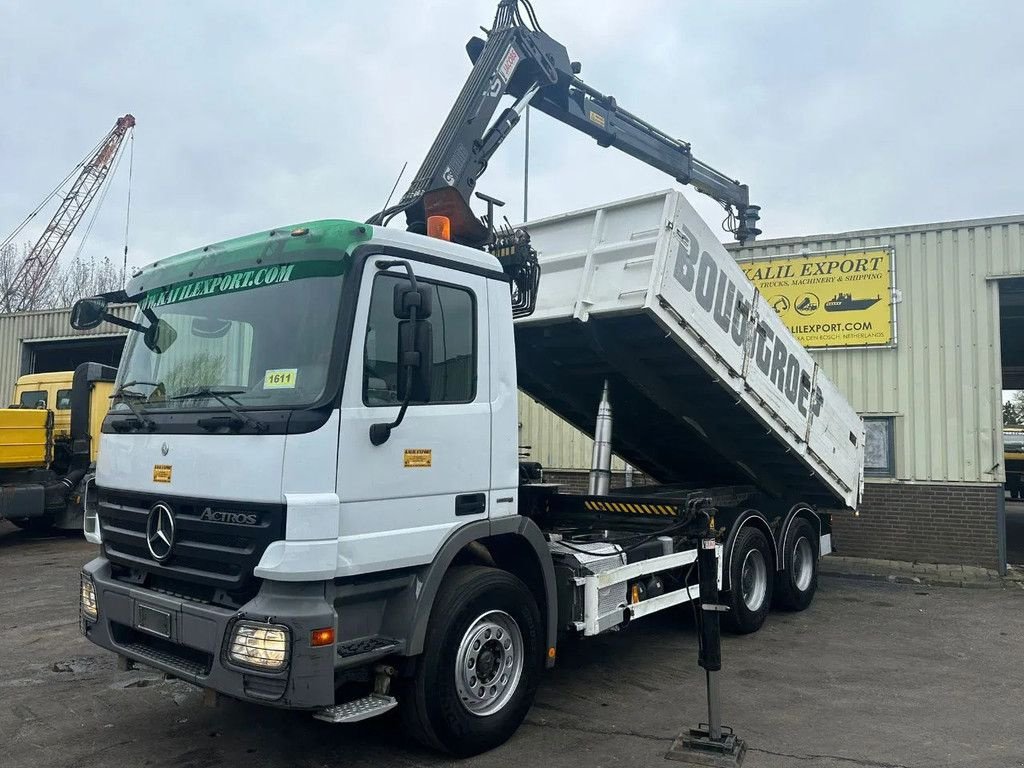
310	473
309	492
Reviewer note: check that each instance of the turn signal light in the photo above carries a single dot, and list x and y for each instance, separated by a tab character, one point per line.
439	227
320	637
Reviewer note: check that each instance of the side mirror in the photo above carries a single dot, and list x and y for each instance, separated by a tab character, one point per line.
159	336
88	313
406	298
416	350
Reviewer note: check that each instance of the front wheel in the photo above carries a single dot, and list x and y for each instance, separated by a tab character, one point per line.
481	662
750	582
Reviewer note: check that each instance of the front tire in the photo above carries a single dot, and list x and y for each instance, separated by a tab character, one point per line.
751	581
481	662
799	579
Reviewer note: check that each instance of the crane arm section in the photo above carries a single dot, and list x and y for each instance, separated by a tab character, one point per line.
519	59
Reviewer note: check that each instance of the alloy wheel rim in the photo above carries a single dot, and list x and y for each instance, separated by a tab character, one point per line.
803	564
489	663
753	579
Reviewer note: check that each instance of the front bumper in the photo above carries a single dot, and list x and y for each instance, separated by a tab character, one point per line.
197	634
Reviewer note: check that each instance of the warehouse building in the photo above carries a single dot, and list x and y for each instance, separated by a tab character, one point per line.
925	362
44	341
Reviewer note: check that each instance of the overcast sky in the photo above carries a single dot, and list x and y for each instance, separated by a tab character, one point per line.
252	115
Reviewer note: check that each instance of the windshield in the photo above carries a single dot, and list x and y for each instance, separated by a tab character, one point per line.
262	336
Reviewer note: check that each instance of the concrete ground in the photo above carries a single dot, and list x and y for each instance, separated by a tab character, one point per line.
1015	532
873	675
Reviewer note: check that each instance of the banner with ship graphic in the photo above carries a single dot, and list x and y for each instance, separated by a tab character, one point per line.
835	299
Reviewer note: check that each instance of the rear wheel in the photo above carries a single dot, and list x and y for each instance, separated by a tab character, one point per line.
799	579
750	582
481	661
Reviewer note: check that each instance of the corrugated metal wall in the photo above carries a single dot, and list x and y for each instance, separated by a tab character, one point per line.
553	442
49	324
942	382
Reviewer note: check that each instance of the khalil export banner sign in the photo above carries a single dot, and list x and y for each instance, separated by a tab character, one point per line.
842	299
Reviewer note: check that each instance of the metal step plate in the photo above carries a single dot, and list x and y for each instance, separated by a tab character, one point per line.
359	709
367	645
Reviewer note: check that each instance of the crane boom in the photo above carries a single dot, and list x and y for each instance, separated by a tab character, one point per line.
521	60
28	280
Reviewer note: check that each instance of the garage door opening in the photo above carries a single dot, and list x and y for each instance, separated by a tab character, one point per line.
68	354
1011	345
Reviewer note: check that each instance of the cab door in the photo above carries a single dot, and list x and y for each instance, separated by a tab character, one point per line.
402	499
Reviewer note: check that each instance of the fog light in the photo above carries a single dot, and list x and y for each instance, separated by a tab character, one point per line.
259	645
88	599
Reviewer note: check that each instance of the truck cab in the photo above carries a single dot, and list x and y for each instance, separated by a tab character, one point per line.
48	391
49	443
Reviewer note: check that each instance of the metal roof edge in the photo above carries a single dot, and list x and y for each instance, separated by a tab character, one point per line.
992	221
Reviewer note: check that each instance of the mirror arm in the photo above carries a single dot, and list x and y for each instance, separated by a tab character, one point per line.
384	265
381	431
130	324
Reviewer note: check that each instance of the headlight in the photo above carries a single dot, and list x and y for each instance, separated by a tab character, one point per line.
259	645
88	599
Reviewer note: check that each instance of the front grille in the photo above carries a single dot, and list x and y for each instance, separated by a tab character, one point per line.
187	660
210	561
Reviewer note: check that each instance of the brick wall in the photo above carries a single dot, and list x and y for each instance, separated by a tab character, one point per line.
575	480
898	521
922	523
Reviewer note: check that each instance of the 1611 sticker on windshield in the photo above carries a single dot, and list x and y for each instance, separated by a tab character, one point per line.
280	378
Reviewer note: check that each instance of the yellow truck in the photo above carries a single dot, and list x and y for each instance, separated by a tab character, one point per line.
49	437
1013	457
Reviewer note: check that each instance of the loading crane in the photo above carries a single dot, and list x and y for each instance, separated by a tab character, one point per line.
519	59
28	280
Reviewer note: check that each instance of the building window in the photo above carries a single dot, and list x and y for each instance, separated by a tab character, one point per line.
453	322
878	447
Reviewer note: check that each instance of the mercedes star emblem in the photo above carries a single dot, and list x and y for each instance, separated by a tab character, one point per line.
160	532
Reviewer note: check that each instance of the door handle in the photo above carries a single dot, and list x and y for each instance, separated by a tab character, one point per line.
470	504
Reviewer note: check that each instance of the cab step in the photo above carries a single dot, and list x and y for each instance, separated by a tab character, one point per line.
357	709
376	645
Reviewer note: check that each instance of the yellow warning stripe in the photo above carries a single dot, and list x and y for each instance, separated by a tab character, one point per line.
631	508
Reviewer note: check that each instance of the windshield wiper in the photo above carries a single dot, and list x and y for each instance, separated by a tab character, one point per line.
224	397
130	397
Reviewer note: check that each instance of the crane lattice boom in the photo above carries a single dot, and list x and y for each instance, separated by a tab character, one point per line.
29	279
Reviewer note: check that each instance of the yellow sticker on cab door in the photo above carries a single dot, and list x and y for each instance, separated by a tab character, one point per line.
280	378
161	473
418	457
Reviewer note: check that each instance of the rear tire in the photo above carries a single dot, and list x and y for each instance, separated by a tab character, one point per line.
799	579
751	572
481	662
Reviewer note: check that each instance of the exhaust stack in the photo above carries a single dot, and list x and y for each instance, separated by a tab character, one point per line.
601	460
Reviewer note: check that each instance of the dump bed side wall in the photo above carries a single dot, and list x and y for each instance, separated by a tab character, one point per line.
25	438
726	372
743	341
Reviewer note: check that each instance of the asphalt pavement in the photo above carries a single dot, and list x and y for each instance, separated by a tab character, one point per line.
874	674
